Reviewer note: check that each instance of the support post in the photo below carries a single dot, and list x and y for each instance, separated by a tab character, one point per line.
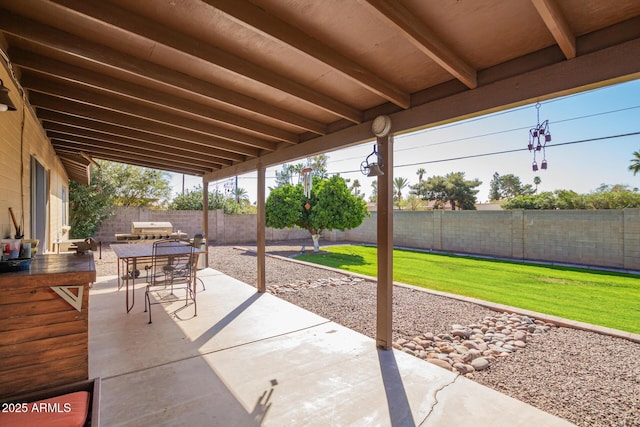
205	218
384	320
260	238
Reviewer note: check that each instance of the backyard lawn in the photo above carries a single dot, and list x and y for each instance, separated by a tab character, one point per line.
597	297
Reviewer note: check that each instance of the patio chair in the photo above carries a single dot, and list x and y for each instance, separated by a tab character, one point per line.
173	266
196	242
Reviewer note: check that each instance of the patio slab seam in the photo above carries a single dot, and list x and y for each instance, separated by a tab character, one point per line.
218	350
559	321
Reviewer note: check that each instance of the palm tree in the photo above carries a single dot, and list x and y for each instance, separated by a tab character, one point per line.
355	187
374	191
420	174
635	163
399	184
240	194
537	181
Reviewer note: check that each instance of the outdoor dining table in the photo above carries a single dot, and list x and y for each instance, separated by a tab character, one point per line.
130	256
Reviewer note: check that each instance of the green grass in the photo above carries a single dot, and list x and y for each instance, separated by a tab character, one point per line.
598	297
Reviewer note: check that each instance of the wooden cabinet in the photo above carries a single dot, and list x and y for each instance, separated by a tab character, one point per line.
44	323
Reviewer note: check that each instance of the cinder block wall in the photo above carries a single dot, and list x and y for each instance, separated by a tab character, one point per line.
222	228
591	237
631	235
604	238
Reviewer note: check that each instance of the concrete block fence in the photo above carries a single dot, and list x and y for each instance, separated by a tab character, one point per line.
600	238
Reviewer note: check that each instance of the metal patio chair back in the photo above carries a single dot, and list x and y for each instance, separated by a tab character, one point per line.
172	272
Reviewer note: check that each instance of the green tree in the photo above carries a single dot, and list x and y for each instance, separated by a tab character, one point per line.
507	186
89	205
635	163
494	187
374	191
192	200
114	184
461	192
289	174
240	195
330	207
452	188
414	202
432	189
605	197
537	180
399	184
135	185
420	174
355	188
319	165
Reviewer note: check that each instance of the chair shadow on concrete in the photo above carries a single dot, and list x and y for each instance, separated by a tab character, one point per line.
153	376
397	399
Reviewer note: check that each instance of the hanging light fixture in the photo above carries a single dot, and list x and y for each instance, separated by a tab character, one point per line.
5	101
538	138
372	168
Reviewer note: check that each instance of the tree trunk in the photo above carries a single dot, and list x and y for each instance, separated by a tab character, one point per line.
316	242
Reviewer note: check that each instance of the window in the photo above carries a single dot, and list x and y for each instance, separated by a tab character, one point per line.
64	206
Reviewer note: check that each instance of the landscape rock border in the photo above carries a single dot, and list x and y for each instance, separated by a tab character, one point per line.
555	320
463	349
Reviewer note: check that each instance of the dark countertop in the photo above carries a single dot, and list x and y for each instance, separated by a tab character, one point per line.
54	269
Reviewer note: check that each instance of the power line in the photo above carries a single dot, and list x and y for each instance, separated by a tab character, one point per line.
473	156
467	138
495	153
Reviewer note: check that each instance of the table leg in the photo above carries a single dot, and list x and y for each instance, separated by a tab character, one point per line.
131	277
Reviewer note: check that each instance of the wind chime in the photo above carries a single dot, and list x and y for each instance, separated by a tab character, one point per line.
307	182
538	138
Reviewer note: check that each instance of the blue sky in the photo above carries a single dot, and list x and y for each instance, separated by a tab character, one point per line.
581	166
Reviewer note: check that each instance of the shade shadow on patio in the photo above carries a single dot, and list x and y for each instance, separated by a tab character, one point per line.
254	359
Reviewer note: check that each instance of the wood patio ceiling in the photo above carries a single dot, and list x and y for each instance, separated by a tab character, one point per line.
218	87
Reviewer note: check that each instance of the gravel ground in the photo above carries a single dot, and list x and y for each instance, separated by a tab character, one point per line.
584	377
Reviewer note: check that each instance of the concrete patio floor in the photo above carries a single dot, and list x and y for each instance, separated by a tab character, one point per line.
250	359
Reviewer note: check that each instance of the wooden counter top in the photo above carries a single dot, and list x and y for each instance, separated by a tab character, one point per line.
44	323
60	270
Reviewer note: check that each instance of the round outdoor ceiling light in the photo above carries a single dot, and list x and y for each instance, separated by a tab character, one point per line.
381	126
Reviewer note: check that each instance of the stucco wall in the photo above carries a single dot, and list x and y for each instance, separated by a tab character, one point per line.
15	169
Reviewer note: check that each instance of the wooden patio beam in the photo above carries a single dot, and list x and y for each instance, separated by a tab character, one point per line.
587	71
261	233
215	56
205	218
216	146
419	35
68	142
110	59
557	24
74	124
243	144
136	161
91	144
277	29
125	142
167	101
384	317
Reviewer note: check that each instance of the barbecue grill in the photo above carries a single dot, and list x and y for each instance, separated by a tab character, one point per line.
141	231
